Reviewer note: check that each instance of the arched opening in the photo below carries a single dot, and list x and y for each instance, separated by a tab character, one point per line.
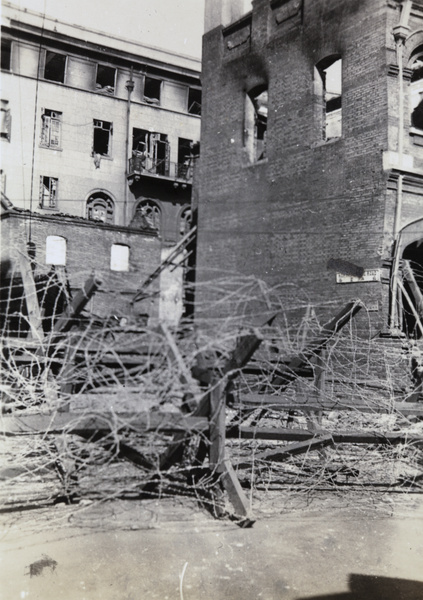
416	89
148	215
412	289
100	207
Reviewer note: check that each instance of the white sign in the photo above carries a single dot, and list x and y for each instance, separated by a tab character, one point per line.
368	275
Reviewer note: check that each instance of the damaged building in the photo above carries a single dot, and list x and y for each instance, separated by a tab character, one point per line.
311	168
99	135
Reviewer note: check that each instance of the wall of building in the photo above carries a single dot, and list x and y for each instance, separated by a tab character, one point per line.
310	203
88	251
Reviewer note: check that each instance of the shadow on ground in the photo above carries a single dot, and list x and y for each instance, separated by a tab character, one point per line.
369	587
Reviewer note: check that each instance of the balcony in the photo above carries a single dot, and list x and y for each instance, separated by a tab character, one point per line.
141	166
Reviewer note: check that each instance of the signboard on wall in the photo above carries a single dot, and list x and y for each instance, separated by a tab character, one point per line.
368	275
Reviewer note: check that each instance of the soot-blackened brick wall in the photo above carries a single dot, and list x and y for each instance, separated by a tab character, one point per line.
284	218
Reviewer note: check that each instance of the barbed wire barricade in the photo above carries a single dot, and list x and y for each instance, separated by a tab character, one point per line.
267	399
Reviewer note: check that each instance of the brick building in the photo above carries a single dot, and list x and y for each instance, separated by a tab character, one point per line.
311	169
98	128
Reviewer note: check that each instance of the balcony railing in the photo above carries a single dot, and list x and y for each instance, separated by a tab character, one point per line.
141	165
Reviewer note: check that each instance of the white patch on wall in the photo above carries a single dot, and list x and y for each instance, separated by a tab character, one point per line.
119	258
56	250
171	290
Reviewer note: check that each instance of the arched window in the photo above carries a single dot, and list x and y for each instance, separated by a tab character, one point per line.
185	221
150	213
56	250
416	90
255	123
328	96
100	207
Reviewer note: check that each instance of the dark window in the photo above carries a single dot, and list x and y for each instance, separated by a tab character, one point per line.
6	51
102	138
51	121
48	191
194	101
105	80
152	89
185	158
55	67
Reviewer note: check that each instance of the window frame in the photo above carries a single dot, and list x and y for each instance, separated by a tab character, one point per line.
327	108
191	101
105	89
6	121
97	126
9	43
65	56
52	197
152	99
47	121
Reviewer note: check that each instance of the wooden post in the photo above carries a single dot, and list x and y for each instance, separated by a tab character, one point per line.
217	428
31	298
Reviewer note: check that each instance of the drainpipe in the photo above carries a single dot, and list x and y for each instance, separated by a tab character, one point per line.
130	87
400	32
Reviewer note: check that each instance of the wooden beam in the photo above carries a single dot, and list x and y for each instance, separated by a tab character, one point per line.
414	287
281	403
339	437
31	297
235	492
86	424
79	302
296	448
217	429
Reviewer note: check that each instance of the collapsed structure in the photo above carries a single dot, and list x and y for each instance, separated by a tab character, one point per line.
311	168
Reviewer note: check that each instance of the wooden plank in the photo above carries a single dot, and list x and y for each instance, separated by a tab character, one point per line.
217	429
281	403
414	286
296	448
86	424
235	492
31	297
80	300
339	437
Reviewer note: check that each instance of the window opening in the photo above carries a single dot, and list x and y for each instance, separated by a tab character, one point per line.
100	207
185	222
328	92
194	101
102	137
413	287
152	90
55	67
3	181
119	257
51	128
56	250
48	191
6	54
255	124
105	80
6	120
185	158
150	212
152	150
416	92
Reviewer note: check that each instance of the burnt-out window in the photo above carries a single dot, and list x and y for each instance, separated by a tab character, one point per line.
102	142
416	90
328	97
51	125
6	121
255	123
152	90
100	207
153	149
105	79
48	191
55	67
194	101
6	53
185	158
